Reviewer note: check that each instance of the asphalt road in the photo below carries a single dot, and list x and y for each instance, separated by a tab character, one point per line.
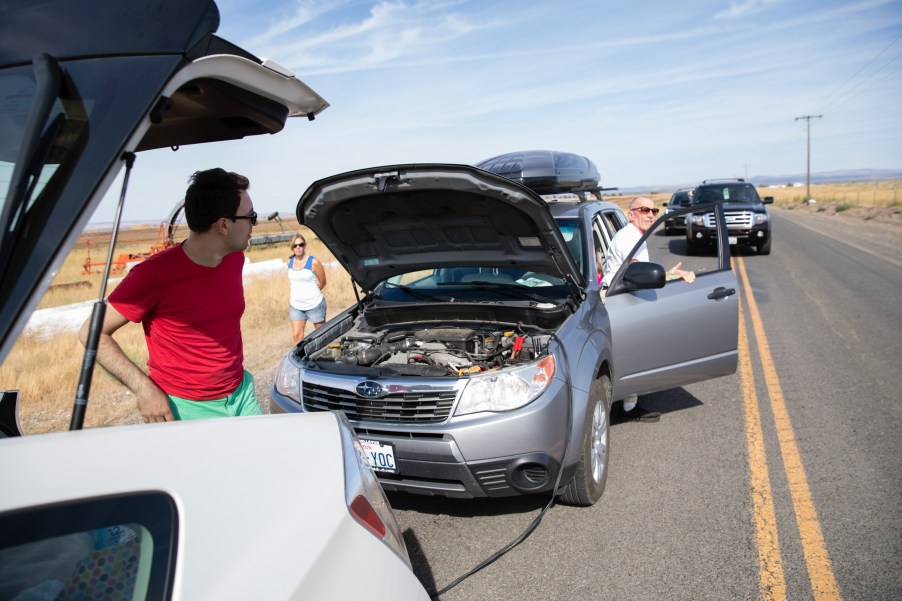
783	481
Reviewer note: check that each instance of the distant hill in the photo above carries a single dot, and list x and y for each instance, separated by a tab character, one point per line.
822	177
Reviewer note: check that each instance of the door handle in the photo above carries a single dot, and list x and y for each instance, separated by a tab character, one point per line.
721	292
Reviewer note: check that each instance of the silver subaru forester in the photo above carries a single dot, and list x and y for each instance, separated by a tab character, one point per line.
482	357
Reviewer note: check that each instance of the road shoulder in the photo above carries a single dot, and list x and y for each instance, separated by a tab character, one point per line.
876	233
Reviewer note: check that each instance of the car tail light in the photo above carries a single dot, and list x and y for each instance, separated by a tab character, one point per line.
365	498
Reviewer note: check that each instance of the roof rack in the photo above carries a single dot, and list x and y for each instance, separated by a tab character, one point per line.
723	179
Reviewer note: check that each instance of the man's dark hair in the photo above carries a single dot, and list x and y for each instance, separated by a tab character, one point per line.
213	194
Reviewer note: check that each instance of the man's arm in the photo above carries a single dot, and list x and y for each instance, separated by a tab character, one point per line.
153	404
675	273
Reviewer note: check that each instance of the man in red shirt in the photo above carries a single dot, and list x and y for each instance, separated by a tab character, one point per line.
189	299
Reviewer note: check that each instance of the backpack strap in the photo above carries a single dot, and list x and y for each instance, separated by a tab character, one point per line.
290	262
309	264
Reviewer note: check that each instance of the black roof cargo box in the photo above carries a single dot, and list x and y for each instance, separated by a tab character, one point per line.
546	171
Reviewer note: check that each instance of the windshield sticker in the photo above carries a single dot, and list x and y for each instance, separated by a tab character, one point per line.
371	262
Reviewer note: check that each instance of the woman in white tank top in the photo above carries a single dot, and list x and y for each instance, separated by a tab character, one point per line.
307	278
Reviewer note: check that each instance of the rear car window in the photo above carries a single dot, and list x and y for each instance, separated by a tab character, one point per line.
119	547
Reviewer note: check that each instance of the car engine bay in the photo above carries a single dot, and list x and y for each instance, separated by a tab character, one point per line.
431	351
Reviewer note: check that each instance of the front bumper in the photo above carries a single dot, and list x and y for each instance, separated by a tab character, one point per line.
744	237
486	454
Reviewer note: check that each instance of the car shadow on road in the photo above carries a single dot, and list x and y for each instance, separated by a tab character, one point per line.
666	401
467	508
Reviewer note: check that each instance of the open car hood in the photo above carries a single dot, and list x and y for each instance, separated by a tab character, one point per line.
84	85
384	221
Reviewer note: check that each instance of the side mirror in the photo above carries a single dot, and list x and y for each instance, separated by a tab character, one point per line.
643	276
768	199
664	204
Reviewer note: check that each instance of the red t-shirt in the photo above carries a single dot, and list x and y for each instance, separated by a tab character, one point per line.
192	322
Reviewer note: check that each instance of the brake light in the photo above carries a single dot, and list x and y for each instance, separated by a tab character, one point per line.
364	513
364	496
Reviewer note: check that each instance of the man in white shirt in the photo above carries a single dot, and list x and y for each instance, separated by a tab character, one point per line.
641	216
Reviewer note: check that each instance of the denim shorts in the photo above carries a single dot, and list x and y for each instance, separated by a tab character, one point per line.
317	314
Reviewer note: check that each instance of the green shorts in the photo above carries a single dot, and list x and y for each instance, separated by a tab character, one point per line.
241	402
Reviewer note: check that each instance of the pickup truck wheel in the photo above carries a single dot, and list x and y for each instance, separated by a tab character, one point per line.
764	249
592	470
691	248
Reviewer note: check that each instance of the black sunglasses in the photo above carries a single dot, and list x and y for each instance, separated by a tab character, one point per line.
299	245
252	216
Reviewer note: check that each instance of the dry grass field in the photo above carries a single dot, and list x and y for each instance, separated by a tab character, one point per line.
865	195
45	369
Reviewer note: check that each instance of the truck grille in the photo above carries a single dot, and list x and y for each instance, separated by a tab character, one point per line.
406	407
734	219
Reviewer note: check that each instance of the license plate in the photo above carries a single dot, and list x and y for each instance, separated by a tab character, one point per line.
380	455
733	240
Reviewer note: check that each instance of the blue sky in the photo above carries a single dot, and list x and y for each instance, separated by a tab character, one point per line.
654	92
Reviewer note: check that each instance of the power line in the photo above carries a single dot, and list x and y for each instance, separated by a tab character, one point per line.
862	68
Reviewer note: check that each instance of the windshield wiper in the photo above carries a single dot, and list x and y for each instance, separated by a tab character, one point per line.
511	290
422	295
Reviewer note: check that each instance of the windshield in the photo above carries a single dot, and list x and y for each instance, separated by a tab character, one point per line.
485	283
473	284
680	199
728	193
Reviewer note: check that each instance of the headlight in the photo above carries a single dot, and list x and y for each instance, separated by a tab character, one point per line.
697	219
288	380
760	218
506	390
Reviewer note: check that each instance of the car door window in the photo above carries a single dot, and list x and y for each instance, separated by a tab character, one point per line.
604	225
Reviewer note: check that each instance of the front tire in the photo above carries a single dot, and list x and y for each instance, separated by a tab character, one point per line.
591	475
764	249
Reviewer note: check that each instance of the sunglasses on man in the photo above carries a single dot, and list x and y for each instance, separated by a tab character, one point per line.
252	216
647	210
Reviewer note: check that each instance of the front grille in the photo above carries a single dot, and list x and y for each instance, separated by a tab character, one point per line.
734	219
406	407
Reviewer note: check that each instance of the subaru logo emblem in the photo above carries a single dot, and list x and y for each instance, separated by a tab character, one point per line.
371	390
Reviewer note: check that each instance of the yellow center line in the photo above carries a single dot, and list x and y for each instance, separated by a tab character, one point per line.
820	570
770	566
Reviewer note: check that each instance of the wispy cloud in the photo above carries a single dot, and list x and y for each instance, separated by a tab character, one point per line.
323	38
743	9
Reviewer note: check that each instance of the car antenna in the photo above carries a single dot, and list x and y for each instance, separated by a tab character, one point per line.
98	313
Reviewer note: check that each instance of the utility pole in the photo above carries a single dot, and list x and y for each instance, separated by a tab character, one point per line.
808	119
746	165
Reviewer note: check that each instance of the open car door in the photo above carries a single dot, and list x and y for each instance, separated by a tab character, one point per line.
674	333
